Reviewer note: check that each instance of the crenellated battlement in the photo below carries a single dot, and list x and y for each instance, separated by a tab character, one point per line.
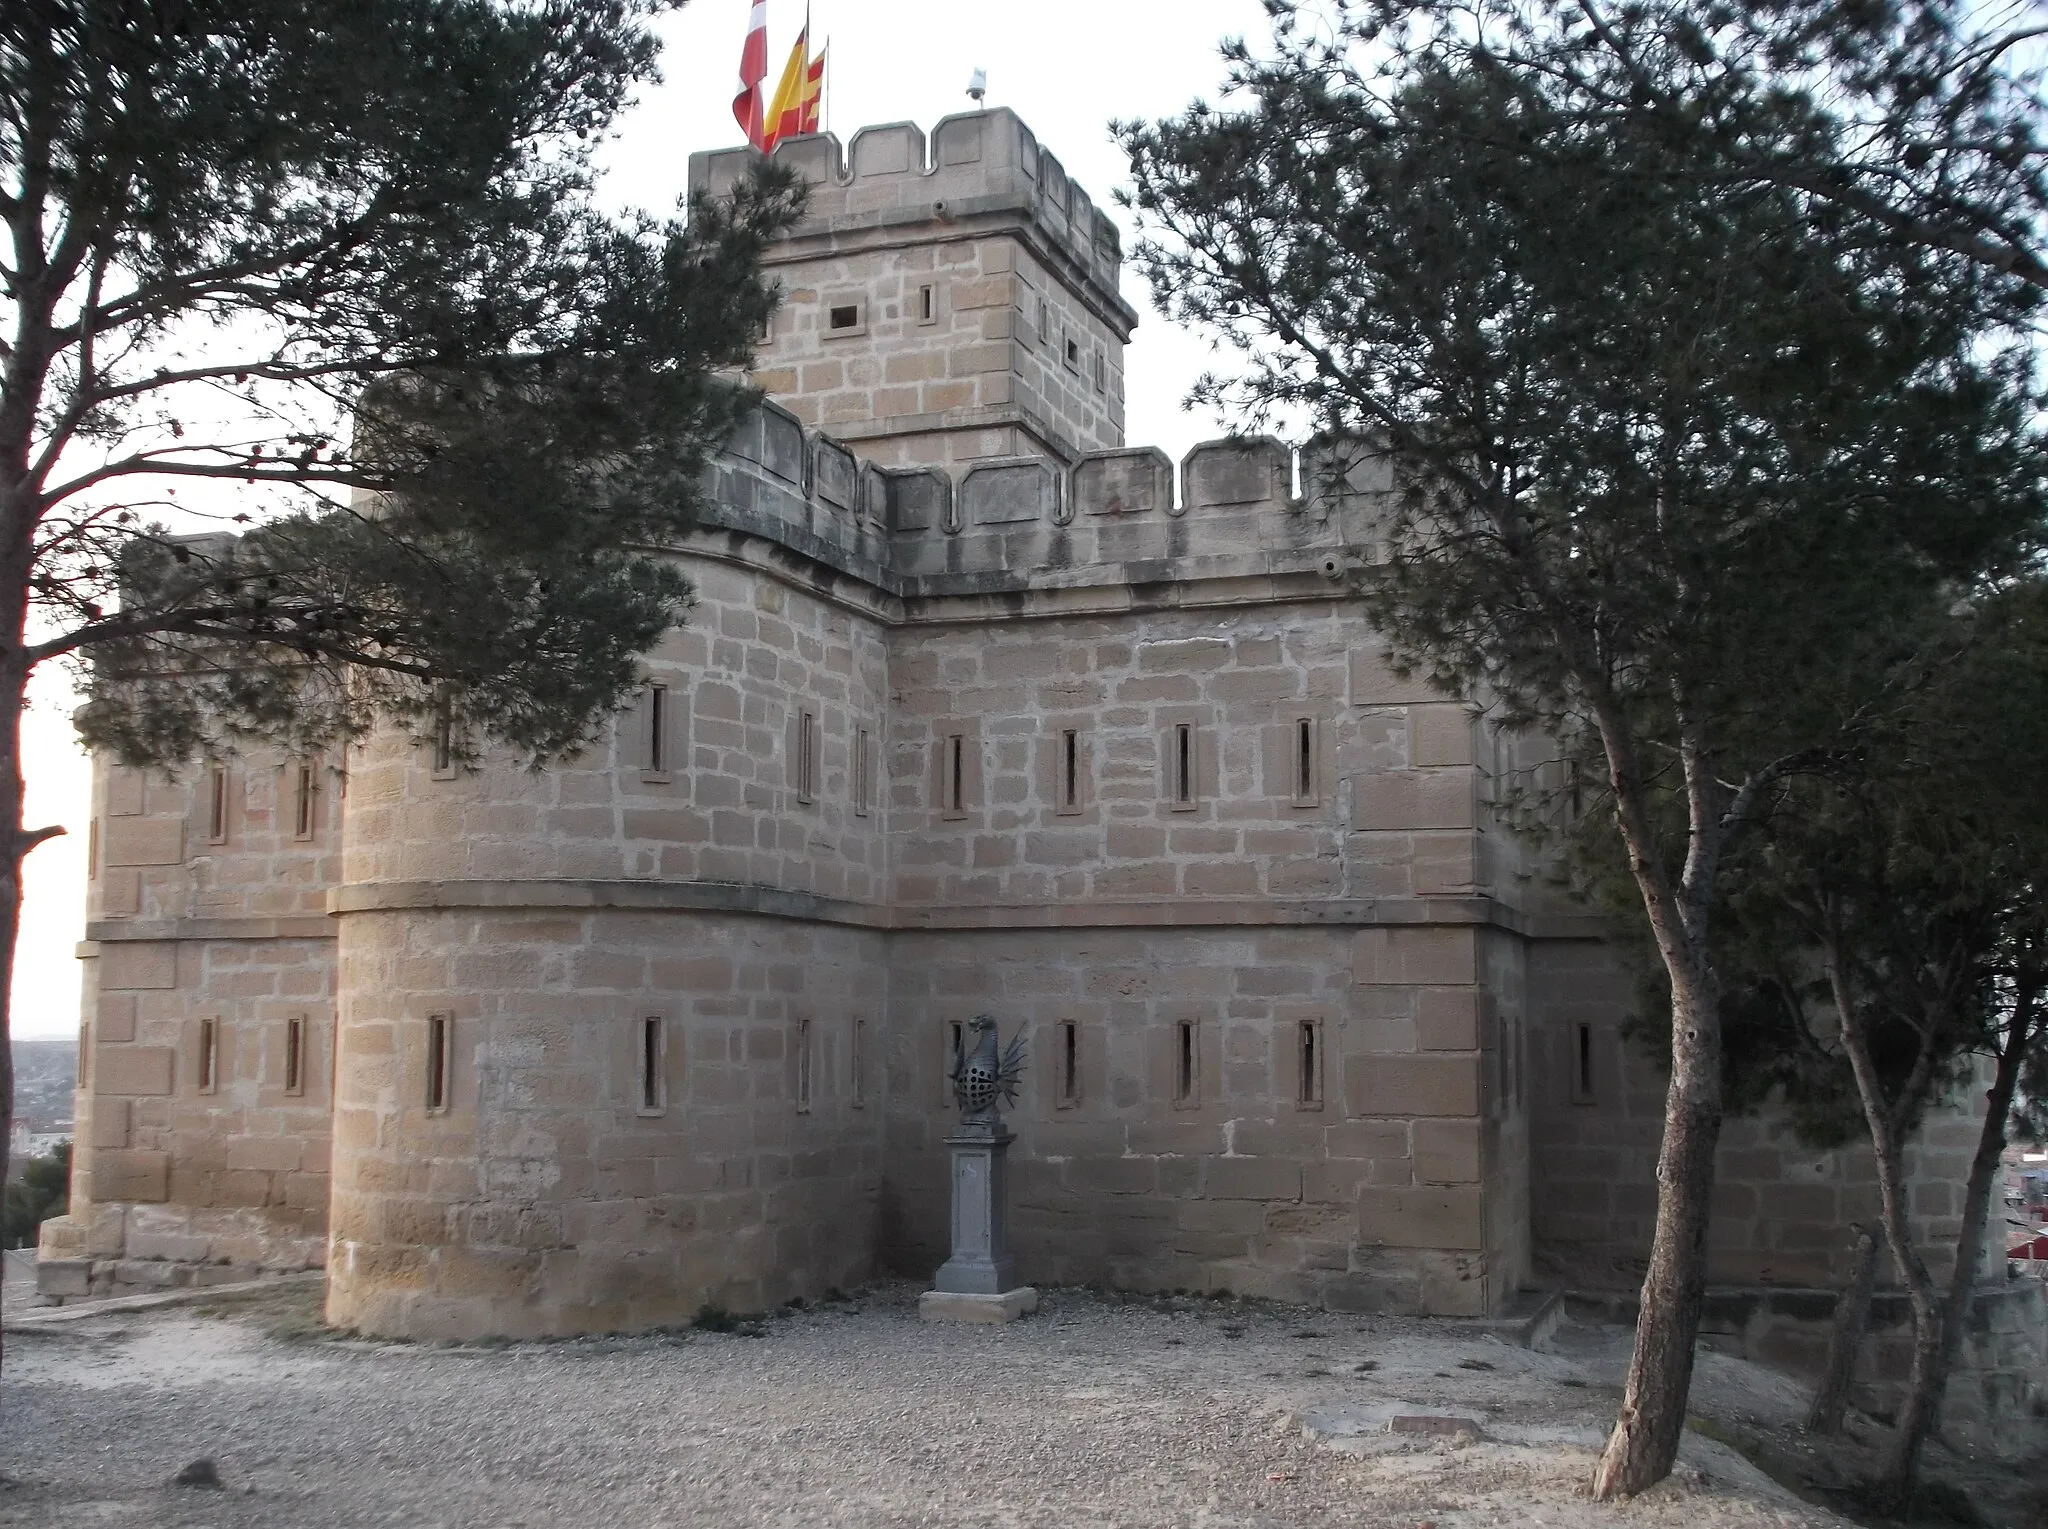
975	167
1127	515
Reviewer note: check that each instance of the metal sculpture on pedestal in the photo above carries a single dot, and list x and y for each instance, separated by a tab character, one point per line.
979	1282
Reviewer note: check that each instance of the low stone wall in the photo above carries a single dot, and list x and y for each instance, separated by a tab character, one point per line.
1991	1395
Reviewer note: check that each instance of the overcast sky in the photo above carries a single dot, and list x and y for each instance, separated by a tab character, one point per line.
1065	66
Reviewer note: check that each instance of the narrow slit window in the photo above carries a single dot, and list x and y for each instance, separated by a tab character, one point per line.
217	805
305	783
803	1066
206	1065
1582	1064
654	747
1181	764
1070	770
1101	373
92	850
1308	1050
953	765
653	1054
84	1053
1187	1076
1068	1062
857	1068
295	1054
440	1057
927	304
806	756
1073	355
1306	792
863	771
444	737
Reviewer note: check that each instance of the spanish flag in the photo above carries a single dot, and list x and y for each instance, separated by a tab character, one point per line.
795	108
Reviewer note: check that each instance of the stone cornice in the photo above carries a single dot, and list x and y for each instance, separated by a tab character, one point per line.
773	902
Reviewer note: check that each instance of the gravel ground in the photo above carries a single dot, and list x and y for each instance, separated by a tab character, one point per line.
1098	1411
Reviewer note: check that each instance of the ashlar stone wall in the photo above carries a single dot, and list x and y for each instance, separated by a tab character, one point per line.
208	1028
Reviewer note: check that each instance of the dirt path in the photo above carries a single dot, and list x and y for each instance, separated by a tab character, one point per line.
1097	1412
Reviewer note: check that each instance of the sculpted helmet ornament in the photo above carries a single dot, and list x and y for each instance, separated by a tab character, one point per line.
982	1074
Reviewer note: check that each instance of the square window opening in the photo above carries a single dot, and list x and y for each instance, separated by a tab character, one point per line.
440	1062
295	1055
1073	354
845	318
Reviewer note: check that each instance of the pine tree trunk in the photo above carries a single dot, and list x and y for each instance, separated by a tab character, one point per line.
1932	1363
13	693
1646	1435
1852	1320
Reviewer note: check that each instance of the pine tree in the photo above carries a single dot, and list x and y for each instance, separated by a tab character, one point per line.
1674	440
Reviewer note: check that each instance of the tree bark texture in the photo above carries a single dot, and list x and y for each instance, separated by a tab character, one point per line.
1852	1320
1934	1356
1647	1433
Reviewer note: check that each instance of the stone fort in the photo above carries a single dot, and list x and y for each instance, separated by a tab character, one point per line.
980	709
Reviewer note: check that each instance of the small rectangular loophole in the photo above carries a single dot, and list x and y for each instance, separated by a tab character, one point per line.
307	782
440	1056
1181	764
1067	1063
295	1054
1070	770
217	805
927	304
206	1065
845	316
1187	1062
863	771
1307	791
953	775
653	1053
803	1066
807	756
654	742
1308	1064
1582	1063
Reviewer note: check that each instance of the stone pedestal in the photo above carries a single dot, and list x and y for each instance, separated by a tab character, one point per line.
979	1282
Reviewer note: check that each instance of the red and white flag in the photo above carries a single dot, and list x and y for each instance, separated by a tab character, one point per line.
748	105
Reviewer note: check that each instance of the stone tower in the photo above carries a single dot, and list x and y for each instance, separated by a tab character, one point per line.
945	311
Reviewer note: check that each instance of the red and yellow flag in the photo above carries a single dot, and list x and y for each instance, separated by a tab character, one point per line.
786	107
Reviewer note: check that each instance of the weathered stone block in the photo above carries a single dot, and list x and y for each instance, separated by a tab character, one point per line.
1413	1085
131	1175
132	1070
1250	1178
142	841
1133	482
1374	683
1416	955
1399	800
1422	1218
138	964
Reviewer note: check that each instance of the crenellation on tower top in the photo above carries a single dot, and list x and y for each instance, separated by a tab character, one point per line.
946	298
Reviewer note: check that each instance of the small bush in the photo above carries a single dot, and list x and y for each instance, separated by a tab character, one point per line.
715	1319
